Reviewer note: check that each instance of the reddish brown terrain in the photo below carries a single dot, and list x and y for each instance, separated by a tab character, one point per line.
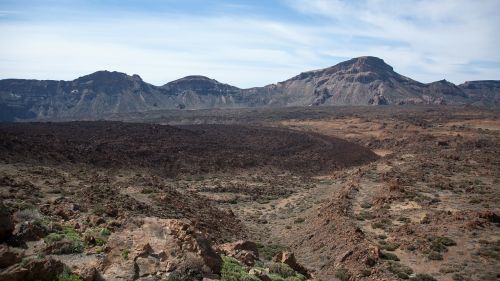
331	193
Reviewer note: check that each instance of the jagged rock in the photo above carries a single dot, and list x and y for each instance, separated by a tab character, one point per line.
490	216
244	251
234	247
157	247
147	265
87	272
289	259
46	269
95	220
8	257
6	223
29	231
246	257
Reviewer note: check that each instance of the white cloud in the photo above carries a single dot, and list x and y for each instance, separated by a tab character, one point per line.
437	38
426	40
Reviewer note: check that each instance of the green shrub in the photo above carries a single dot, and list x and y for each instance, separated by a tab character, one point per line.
343	274
53	237
69	234
445	241
68	277
382	224
404	219
402	271
105	232
423	277
435	256
489	249
388	246
276	277
366	205
124	253
366	272
299	220
233	271
267	252
364	215
388	256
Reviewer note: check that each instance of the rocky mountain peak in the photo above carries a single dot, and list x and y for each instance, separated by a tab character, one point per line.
104	75
365	64
194	79
198	83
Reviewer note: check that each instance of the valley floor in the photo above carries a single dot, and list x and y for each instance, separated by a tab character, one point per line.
428	207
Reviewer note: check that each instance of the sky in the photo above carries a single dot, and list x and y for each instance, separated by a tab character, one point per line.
247	43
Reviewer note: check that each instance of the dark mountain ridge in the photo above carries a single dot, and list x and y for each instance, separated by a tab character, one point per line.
359	81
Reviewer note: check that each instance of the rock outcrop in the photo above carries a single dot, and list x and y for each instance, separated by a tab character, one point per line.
157	249
46	269
6	223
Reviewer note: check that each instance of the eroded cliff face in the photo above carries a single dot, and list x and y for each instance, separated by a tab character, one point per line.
359	81
483	92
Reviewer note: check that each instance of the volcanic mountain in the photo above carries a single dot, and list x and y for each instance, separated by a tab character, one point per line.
359	81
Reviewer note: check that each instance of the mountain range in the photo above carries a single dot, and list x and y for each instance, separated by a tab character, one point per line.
359	81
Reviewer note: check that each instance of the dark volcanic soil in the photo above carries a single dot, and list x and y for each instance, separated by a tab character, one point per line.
172	151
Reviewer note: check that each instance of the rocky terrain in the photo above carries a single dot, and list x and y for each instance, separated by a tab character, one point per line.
317	193
359	81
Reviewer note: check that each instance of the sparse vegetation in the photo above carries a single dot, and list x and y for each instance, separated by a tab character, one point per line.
281	269
489	249
388	246
124	253
388	256
232	270
343	274
400	270
69	234
267	252
422	277
299	220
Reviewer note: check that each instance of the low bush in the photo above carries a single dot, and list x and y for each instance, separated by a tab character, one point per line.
267	252
400	270
423	277
388	246
343	274
232	270
388	256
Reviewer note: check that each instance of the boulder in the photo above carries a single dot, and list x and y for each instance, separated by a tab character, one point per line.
244	251
29	231
147	265
246	257
289	259
46	269
87	272
158	247
490	216
6	223
208	254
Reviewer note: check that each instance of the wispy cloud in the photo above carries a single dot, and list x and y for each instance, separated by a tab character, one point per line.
242	43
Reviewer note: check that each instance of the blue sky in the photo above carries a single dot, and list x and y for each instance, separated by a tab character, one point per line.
247	43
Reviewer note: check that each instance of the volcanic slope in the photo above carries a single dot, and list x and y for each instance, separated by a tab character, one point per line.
178	150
